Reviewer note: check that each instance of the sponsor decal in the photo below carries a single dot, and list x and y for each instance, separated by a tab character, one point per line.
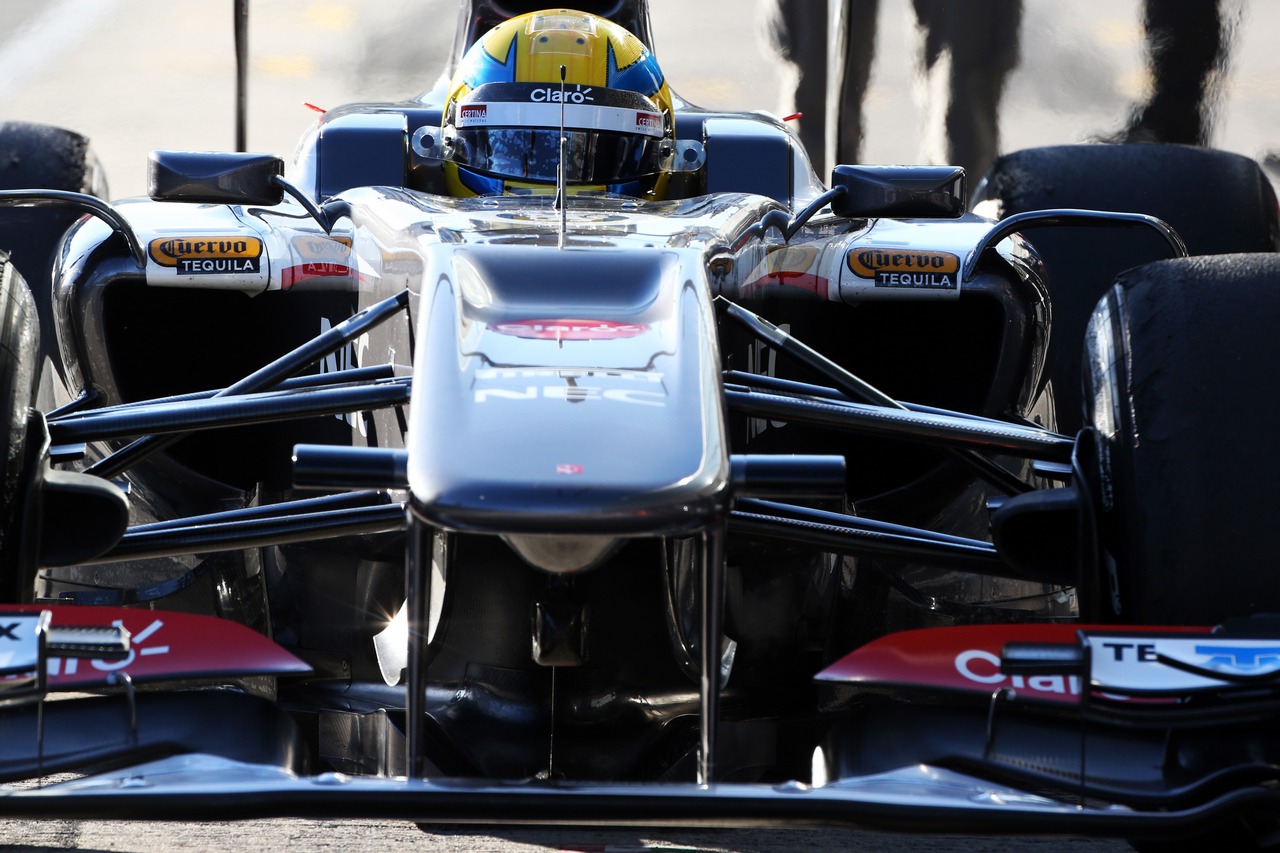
569	329
649	121
473	112
573	394
983	667
569	469
211	255
797	267
1244	660
162	646
139	644
490	374
815	284
550	95
19	646
910	268
640	388
321	257
968	659
349	357
1147	664
320	248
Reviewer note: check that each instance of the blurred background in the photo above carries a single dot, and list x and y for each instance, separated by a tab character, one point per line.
135	75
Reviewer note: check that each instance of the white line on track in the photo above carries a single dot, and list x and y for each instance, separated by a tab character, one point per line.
57	29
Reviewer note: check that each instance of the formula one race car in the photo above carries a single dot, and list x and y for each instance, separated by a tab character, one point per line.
549	449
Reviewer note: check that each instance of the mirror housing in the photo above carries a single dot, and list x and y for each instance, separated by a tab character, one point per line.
214	177
899	192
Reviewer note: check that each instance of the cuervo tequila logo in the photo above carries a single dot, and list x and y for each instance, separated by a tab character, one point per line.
207	255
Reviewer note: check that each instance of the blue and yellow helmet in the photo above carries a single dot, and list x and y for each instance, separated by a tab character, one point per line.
507	100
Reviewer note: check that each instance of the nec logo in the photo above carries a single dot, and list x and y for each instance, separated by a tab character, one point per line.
1241	658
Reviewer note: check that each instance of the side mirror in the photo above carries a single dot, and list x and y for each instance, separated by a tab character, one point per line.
214	177
899	192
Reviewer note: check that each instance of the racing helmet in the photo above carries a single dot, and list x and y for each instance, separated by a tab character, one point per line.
502	119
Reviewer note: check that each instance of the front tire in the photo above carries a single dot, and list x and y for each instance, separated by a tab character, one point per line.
19	344
41	156
1181	359
1219	202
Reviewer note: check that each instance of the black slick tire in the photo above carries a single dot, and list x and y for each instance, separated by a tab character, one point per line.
1219	202
41	156
19	341
1181	358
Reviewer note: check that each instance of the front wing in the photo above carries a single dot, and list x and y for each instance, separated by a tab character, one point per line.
202	787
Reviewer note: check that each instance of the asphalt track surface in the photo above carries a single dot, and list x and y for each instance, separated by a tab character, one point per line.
136	75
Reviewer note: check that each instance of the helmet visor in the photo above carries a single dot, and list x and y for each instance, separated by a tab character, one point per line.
514	130
590	157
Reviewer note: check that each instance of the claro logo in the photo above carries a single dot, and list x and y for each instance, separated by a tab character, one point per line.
576	95
983	667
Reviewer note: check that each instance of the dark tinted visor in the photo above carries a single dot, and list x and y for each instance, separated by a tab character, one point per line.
591	157
513	130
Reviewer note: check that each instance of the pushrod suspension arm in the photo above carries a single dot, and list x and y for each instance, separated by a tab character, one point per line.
266	377
901	423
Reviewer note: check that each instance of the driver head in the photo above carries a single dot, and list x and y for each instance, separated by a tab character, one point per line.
506	102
